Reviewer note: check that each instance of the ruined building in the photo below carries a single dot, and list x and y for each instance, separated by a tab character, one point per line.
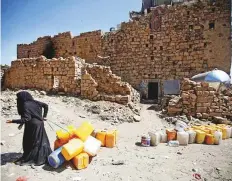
168	43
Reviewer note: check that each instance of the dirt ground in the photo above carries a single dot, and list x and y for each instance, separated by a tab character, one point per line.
160	163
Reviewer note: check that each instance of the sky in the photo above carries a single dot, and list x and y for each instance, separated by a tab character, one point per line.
23	21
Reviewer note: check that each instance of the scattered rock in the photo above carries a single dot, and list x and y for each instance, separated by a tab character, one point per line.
3	142
76	178
179	153
118	162
43	93
95	109
137	118
194	170
82	116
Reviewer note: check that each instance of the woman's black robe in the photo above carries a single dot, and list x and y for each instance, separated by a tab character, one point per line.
36	145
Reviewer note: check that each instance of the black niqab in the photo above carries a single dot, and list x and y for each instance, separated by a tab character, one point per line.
23	97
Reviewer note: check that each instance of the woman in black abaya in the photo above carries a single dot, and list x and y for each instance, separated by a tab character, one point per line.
36	146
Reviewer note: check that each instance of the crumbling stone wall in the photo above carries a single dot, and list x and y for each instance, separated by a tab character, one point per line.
70	75
3	70
171	42
201	100
42	46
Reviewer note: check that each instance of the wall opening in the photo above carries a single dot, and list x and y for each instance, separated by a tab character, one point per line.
153	90
28	53
151	37
191	27
211	25
49	52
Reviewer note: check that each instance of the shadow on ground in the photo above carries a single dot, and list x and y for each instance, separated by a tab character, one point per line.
57	170
9	157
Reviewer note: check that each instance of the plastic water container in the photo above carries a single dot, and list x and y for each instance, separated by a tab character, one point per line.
183	138
81	161
56	159
92	146
192	136
171	134
101	136
224	132
200	137
84	130
72	148
217	137
145	141
111	138
155	138
231	132
58	144
180	126
163	137
228	132
209	139
65	135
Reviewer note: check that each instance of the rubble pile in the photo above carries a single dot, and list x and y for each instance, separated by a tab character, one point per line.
201	100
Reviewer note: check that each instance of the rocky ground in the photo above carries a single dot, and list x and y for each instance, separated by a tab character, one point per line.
128	161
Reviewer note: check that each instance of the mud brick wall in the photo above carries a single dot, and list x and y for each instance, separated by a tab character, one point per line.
201	100
40	73
87	45
171	42
42	46
71	76
62	44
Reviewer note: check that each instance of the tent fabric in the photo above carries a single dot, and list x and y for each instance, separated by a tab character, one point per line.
212	76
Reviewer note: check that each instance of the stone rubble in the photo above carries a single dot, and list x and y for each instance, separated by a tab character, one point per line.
201	100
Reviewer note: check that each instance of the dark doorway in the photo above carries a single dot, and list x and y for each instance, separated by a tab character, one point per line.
153	90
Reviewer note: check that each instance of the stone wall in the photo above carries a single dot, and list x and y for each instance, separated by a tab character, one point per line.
201	100
42	46
171	42
3	70
70	75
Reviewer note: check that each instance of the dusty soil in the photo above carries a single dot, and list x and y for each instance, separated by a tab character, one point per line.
137	163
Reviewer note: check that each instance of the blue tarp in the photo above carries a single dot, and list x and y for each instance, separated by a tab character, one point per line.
212	76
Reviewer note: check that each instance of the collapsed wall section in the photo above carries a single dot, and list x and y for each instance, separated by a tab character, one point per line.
70	76
202	100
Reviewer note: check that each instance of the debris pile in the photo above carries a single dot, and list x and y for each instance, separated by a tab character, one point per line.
201	100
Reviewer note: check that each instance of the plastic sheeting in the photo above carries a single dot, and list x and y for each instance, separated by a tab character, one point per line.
212	76
171	87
